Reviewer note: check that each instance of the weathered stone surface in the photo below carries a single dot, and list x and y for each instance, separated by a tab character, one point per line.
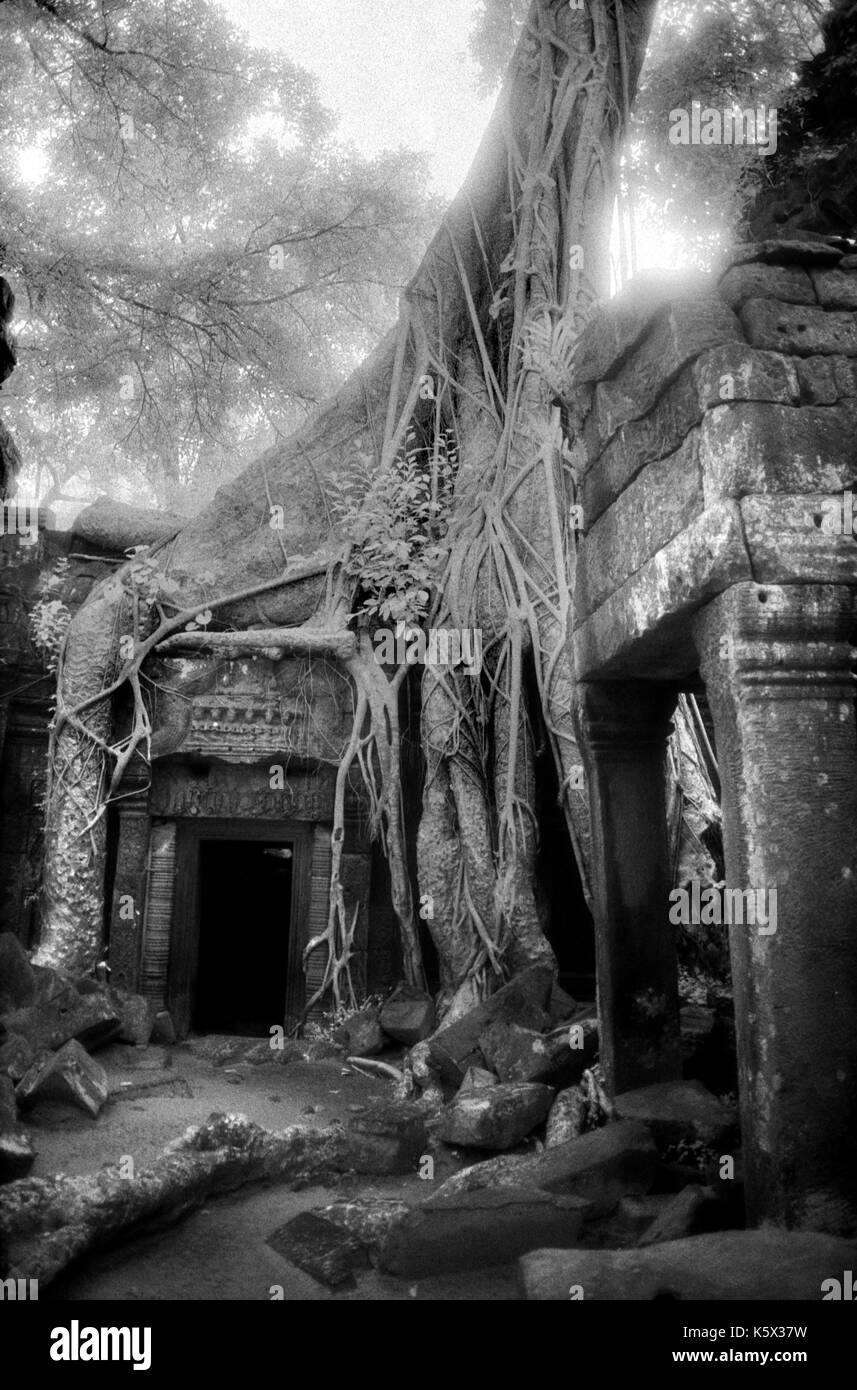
787	544
497	1118
601	1167
163	1030
16	1150
758	281
798	329
645	624
70	1075
469	1230
680	333
91	1019
835	289
785	252
143	1087
731	372
388	1137
320	1247
521	1054
567	1117
753	448
730	1266
408	1015
136	1018
678	1111
817	377
561	1005
369	1219
476	1079
658	505
634	1215
16	1056
523	1000
17	981
690	1212
127	1058
361	1035
621	323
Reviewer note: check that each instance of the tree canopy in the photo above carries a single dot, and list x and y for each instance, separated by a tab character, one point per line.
197	259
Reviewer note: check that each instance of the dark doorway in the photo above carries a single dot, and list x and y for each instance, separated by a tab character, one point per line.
245	910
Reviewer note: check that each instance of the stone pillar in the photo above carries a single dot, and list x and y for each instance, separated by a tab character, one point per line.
624	729
776	662
129	891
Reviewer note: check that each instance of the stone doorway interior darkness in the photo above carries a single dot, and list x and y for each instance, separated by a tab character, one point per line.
238	927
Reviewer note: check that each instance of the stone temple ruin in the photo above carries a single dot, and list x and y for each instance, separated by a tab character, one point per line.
716	560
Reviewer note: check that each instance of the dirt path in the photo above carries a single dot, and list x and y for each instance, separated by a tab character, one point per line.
220	1252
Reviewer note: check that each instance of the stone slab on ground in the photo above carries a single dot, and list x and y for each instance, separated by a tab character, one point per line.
408	1015
524	1000
678	1112
690	1212
69	1075
16	1149
766	1264
602	1167
369	1219
320	1247
141	1087
496	1117
390	1136
470	1230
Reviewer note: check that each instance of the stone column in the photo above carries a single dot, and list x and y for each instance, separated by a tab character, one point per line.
129	891
776	662
624	729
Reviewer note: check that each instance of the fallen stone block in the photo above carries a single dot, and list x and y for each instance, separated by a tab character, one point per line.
171	1087
16	1149
408	1015
731	1266
50	1023
498	1117
369	1219
388	1137
472	1229
361	1035
163	1030
678	1112
523	1000
602	1167
636	1214
320	1248
135	1017
16	1056
561	1005
476	1079
522	1054
69	1075
567	1117
693	1211
17	981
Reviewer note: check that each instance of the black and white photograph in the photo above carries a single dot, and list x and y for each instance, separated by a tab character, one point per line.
428	636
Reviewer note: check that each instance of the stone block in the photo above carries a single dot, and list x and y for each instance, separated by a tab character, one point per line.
523	1000
408	1015
766	1265
623	321
471	1230
690	1212
136	1018
601	1167
678	1112
388	1137
497	1118
476	1079
752	280
163	1029
567	1117
799	330
361	1034
786	542
320	1248
835	289
788	251
69	1075
752	448
16	1056
521	1054
145	1087
817	378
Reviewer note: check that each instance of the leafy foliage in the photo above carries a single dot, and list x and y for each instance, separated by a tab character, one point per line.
396	528
49	616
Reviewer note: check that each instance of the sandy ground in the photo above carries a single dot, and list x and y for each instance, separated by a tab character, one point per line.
220	1252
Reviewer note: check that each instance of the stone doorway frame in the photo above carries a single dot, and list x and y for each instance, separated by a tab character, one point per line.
185	936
